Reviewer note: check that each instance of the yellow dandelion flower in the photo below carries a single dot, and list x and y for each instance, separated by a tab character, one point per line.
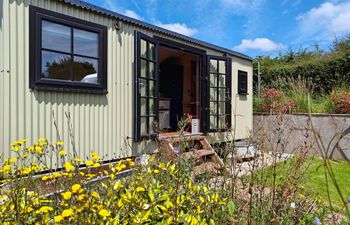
13	160
67	195
42	140
156	171
30	148
58	218
68	166
67	213
95	156
89	163
26	171
44	209
23	141
78	160
38	149
15	148
62	152
76	187
6	168
80	197
59	143
104	213
96	165
94	194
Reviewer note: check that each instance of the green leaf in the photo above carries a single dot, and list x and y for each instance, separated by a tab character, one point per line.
231	208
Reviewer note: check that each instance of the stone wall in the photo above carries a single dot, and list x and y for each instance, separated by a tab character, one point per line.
299	132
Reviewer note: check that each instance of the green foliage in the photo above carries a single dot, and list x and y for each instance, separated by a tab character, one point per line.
314	178
325	70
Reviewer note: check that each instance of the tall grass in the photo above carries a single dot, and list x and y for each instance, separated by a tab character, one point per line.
302	92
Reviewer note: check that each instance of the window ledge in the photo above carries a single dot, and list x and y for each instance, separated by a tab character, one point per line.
71	89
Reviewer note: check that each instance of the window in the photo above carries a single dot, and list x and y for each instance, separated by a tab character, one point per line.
242	83
219	93
67	53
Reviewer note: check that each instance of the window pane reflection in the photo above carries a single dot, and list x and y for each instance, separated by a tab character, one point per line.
85	43
55	65
85	69
56	36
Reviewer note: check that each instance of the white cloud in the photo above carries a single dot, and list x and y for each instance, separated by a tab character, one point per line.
326	21
235	2
261	44
132	14
180	28
109	4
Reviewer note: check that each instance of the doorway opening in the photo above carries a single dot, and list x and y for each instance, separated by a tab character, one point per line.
179	90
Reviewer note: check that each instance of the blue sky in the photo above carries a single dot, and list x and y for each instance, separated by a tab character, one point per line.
253	27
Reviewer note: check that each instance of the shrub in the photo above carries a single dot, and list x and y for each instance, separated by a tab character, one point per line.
341	102
158	192
273	101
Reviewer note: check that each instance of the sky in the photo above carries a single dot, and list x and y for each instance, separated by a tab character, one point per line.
252	27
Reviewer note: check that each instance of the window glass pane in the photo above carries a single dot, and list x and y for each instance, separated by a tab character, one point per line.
213	122
213	66
152	89
222	122
222	108
143	85
56	36
151	70
222	80
143	67
152	108
85	69
143	48
143	108
152	125
222	94
143	127
85	43
222	66
213	108
213	80
151	51
55	65
213	94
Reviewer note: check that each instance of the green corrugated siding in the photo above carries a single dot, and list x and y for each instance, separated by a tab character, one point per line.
101	122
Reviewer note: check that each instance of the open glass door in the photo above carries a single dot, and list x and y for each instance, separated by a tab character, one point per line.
219	93
146	87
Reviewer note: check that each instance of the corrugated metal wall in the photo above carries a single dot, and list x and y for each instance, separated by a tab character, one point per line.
101	122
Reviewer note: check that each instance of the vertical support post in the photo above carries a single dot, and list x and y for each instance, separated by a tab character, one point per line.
259	81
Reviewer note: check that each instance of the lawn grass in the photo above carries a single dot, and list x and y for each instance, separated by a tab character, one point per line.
314	180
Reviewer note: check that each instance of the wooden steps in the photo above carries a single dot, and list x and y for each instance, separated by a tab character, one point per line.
194	149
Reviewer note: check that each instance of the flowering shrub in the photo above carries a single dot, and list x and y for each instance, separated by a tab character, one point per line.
273	101
341	102
156	193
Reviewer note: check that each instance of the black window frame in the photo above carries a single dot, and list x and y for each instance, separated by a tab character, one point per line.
228	93
242	82
36	81
138	136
